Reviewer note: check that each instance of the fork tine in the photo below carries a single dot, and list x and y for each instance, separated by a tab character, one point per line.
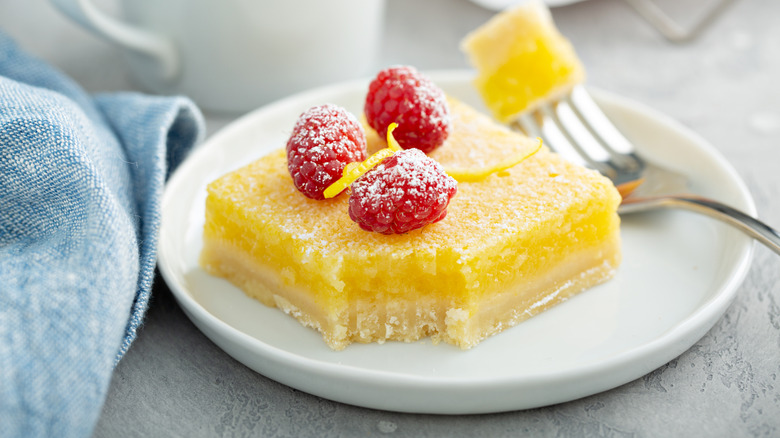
580	136
576	128
621	150
557	124
533	127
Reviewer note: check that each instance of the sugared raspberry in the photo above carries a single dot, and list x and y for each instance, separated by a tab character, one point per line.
324	140
404	96
404	192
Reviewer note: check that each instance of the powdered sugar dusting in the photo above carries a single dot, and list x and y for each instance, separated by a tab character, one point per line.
413	167
324	139
402	95
319	132
403	192
438	110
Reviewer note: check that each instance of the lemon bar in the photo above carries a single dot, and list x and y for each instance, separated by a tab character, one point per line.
512	245
521	59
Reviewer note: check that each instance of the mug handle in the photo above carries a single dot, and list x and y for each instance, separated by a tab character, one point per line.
158	47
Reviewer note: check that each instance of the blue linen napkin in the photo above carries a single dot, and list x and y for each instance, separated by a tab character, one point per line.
81	179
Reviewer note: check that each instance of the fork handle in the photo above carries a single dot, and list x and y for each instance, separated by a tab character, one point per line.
751	226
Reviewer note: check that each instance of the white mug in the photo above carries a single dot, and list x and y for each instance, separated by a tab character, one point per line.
234	55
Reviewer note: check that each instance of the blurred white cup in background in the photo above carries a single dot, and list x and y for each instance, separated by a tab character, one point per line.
235	55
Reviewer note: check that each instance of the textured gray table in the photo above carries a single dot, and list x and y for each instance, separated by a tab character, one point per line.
175	382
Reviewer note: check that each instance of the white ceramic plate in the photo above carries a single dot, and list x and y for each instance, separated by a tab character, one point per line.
680	273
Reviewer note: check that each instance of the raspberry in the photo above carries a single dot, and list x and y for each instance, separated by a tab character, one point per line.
404	192
403	95
324	140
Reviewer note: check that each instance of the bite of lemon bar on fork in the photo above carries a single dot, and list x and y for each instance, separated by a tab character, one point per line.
522	60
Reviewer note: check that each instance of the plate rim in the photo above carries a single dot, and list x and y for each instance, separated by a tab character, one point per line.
689	328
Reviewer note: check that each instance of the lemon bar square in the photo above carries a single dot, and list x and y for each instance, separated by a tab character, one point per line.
511	246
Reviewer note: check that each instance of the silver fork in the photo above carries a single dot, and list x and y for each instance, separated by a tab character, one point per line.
575	127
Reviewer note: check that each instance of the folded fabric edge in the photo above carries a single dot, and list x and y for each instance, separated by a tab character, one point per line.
158	133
